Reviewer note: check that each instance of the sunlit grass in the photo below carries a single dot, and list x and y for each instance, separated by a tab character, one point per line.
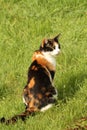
23	25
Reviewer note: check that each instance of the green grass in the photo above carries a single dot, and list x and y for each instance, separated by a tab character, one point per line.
23	25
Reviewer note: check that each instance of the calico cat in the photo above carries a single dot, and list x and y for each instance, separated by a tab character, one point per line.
39	94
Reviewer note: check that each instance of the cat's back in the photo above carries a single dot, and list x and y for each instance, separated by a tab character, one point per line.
38	69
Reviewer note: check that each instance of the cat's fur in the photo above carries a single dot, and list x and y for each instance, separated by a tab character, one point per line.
39	93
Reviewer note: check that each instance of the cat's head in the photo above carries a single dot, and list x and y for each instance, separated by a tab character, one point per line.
51	46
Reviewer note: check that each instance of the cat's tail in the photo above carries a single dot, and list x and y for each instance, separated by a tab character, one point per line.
15	118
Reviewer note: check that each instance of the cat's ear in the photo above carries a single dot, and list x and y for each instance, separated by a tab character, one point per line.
57	37
44	43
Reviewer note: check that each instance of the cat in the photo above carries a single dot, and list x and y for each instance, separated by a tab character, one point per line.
39	94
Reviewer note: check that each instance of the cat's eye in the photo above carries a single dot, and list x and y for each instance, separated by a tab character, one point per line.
49	42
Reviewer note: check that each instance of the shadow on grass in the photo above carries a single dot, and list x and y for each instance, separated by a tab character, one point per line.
68	88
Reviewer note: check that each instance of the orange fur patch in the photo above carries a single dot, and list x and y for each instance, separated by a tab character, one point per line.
39	57
34	68
31	83
47	93
39	96
32	105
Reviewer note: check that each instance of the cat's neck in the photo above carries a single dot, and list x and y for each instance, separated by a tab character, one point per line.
45	59
49	58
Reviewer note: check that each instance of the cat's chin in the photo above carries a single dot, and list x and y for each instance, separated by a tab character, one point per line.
55	53
58	53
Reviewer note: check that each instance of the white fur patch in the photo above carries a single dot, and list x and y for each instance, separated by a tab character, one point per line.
46	107
24	101
56	51
50	55
49	58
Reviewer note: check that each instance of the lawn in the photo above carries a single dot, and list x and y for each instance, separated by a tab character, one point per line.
23	25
